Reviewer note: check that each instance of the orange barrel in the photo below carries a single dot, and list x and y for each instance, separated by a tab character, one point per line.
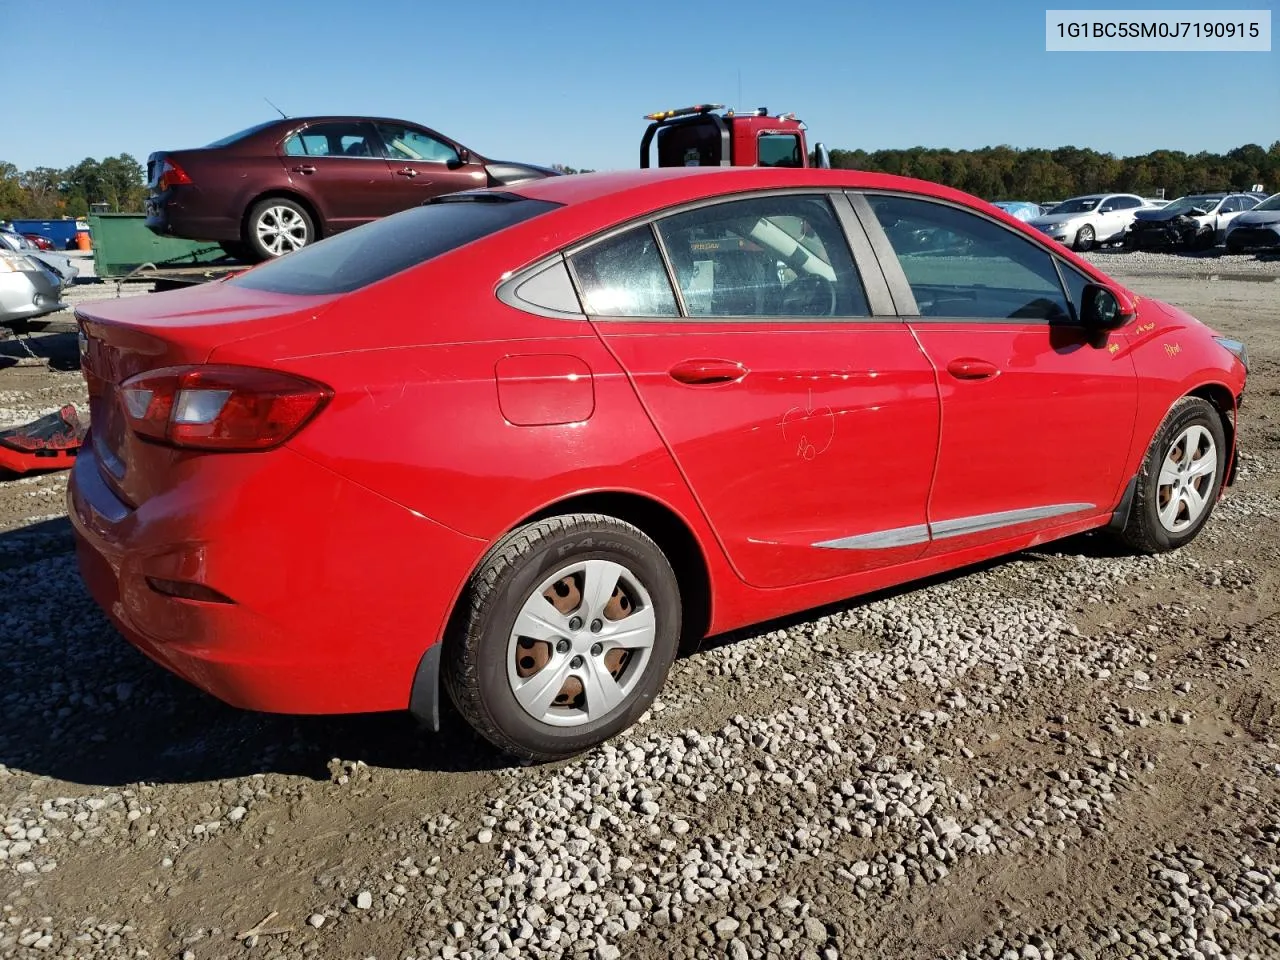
82	240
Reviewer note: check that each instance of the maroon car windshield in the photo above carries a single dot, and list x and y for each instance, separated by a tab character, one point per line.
373	252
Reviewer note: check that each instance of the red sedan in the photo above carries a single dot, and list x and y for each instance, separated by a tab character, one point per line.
519	444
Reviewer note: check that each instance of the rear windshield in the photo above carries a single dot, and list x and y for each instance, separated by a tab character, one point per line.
373	252
690	144
240	134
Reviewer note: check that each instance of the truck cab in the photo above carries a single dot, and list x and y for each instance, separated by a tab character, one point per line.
707	135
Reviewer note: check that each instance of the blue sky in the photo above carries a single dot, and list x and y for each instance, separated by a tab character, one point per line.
568	82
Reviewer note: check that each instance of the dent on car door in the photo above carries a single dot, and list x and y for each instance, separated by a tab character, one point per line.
805	423
1037	413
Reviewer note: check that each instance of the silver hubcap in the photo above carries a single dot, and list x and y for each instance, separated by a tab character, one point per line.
580	643
1186	479
281	230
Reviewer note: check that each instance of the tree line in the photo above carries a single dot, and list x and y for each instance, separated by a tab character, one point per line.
994	173
1005	173
48	192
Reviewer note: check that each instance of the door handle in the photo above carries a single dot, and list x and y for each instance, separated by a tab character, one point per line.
706	372
304	168
968	368
407	172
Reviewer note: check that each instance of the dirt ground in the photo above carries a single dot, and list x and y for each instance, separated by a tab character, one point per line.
1067	753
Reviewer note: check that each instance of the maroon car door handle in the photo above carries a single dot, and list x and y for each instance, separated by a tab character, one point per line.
967	368
304	168
407	172
705	372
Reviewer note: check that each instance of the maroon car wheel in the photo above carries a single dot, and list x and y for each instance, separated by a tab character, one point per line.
278	225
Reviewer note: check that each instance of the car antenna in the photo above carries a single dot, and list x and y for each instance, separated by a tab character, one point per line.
277	109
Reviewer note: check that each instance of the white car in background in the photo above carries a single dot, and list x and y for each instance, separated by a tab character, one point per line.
1082	223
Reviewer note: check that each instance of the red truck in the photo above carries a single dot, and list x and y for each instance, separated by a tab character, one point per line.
707	135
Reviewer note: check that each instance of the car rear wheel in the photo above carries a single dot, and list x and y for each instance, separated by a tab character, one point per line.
1084	238
1181	476
278	225
570	629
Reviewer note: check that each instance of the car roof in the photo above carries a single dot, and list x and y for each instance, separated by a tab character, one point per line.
645	189
272	126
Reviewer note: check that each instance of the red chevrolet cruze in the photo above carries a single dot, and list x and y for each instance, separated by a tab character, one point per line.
517	444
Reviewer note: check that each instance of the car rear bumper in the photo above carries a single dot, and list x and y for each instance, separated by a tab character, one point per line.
333	593
191	214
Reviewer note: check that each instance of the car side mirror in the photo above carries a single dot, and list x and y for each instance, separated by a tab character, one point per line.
1102	310
463	158
823	156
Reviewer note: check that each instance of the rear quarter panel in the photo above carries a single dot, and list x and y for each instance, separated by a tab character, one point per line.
417	416
226	182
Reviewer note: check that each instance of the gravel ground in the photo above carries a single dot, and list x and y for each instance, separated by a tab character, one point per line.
1070	753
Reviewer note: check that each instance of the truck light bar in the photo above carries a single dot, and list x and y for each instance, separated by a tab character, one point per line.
684	111
707	108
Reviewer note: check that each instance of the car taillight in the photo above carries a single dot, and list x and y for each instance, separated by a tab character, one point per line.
171	174
220	407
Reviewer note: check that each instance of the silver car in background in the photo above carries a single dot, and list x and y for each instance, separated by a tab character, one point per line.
1256	229
1082	223
29	288
57	262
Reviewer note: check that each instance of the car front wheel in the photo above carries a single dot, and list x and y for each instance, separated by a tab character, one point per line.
1084	238
570	628
1181	476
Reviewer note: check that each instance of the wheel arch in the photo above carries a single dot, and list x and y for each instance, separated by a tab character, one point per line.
284	194
1217	395
658	521
1222	400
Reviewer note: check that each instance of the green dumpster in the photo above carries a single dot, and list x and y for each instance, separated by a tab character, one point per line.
122	243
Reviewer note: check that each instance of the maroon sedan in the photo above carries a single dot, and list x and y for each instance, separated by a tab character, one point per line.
280	185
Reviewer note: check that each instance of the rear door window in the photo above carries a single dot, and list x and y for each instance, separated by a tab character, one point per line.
342	139
373	252
782	256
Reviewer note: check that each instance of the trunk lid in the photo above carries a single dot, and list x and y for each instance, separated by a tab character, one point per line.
122	338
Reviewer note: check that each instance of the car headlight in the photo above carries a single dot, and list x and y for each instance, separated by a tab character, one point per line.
1237	347
17	263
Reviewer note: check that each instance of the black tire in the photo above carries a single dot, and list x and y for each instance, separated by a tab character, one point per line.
1144	532
475	669
1085	238
263	209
